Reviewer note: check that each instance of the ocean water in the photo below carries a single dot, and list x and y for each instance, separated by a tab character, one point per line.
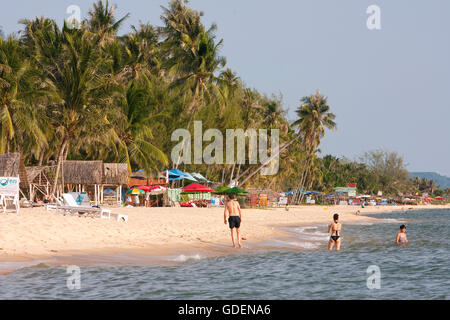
298	267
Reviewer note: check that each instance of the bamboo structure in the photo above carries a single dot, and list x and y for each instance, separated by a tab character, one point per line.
40	180
115	176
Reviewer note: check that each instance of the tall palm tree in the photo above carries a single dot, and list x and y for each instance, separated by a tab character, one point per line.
19	127
313	117
102	21
78	88
192	54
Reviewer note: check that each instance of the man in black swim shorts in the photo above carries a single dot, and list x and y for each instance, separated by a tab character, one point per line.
234	219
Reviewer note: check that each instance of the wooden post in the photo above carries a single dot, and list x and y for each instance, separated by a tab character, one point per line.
95	194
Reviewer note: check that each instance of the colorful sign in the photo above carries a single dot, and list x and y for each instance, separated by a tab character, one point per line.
9	186
350	191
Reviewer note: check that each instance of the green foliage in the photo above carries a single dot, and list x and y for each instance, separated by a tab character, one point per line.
89	93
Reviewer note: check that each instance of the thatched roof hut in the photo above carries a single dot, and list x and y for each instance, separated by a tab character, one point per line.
82	172
115	173
11	165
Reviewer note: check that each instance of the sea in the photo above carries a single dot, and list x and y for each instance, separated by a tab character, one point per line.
369	266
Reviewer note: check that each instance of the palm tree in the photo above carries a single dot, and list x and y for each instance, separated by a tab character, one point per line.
132	132
192	55
313	117
77	87
19	127
103	22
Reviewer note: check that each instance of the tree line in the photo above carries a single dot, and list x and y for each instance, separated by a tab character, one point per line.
82	91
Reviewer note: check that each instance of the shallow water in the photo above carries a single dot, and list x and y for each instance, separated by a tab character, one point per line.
298	267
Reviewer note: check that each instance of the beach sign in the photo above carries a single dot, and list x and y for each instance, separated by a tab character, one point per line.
9	190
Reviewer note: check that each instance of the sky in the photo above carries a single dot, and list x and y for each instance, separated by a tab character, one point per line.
389	88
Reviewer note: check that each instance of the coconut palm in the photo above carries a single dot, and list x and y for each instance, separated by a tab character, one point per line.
103	22
19	127
77	86
192	54
132	131
313	117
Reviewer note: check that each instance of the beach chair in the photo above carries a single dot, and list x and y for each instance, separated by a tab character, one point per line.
13	198
70	205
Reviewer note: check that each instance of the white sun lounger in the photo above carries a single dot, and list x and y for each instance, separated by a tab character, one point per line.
70	205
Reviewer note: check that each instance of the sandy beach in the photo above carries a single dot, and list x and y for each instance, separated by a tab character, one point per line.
35	233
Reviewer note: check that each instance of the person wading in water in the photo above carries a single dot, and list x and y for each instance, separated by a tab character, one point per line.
335	229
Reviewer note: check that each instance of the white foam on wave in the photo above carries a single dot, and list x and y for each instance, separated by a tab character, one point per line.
391	220
301	244
310	233
183	258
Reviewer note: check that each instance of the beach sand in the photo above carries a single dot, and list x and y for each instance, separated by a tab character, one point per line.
35	233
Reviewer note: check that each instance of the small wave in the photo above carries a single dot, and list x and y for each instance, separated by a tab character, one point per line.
359	223
391	220
302	244
304	229
183	258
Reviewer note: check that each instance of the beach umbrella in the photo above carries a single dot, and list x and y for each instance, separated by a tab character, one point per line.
235	190
222	189
197	188
176	174
145	188
158	190
135	191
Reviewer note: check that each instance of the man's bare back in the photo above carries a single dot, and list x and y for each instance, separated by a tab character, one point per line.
233	208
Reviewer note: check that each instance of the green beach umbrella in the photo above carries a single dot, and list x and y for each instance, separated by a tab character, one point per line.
135	191
236	190
222	189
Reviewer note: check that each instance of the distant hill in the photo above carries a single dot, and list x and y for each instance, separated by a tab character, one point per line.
443	181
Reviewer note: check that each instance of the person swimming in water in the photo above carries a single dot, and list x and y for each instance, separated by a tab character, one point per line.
401	236
234	218
335	229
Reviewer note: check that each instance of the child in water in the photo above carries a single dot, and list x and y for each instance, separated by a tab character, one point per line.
401	236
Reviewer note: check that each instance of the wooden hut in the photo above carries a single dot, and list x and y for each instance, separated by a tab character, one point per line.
40	179
83	176
115	176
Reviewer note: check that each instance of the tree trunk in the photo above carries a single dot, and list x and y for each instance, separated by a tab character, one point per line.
284	147
41	157
223	175
232	172
58	165
238	175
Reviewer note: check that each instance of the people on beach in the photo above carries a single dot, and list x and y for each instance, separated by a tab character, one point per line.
401	236
47	198
335	229
234	218
358	213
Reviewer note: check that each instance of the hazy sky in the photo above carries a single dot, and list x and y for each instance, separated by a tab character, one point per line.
389	88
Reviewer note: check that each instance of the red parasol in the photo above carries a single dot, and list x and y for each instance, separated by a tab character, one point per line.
195	187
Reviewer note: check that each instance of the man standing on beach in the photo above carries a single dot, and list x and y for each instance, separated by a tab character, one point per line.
234	219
